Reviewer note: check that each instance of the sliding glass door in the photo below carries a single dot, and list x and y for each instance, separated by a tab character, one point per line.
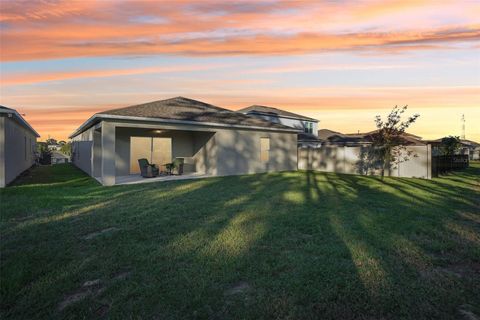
155	150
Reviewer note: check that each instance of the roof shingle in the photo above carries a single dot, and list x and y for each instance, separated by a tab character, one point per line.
184	109
274	112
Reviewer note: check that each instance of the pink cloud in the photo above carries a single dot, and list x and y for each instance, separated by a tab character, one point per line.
26	78
49	30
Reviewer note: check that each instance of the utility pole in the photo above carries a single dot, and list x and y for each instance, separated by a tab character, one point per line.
463	126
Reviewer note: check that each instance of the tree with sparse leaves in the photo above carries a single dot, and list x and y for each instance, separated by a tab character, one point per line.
388	143
66	148
44	155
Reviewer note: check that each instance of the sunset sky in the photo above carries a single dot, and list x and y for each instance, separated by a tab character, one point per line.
341	62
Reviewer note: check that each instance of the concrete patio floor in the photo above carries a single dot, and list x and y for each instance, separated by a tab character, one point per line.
136	178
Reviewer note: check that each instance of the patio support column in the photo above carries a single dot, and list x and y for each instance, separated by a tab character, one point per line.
108	153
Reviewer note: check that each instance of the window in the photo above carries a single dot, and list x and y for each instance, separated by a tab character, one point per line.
155	150
264	149
308	127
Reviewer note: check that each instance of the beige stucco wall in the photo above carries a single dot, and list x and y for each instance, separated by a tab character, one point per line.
238	152
343	159
82	148
220	152
208	150
17	149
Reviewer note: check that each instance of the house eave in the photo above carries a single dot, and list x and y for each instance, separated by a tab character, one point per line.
17	115
99	117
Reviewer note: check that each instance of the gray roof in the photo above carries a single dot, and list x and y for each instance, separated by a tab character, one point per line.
465	142
270	111
334	137
6	109
186	111
327	133
19	118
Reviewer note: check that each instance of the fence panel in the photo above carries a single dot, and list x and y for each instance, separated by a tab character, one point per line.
444	164
354	160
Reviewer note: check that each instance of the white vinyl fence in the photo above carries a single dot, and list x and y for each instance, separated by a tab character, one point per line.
346	159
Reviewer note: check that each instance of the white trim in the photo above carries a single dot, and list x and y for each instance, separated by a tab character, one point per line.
84	126
20	118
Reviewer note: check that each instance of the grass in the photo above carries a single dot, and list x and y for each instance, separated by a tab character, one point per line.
295	245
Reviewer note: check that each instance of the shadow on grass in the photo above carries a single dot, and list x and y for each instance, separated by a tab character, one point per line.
297	244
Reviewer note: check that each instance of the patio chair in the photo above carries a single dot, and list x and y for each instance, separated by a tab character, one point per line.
175	167
147	170
178	165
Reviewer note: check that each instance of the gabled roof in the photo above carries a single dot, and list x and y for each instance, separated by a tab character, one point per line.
327	133
405	134
182	110
13	113
270	111
470	143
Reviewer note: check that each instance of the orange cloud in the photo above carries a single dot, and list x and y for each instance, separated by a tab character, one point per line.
40	30
18	49
25	78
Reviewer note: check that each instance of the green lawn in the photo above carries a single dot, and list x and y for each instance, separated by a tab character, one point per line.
295	245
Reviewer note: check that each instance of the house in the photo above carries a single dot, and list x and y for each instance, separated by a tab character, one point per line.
308	126
54	147
472	149
329	137
469	147
211	140
17	145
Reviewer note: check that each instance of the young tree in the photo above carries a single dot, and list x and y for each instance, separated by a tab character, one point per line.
44	155
387	142
66	148
450	145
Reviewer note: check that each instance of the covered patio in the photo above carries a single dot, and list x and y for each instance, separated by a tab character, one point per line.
159	144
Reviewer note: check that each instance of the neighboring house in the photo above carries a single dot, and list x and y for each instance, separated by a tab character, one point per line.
469	147
17	145
307	126
329	137
54	147
350	153
58	157
473	149
211	140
